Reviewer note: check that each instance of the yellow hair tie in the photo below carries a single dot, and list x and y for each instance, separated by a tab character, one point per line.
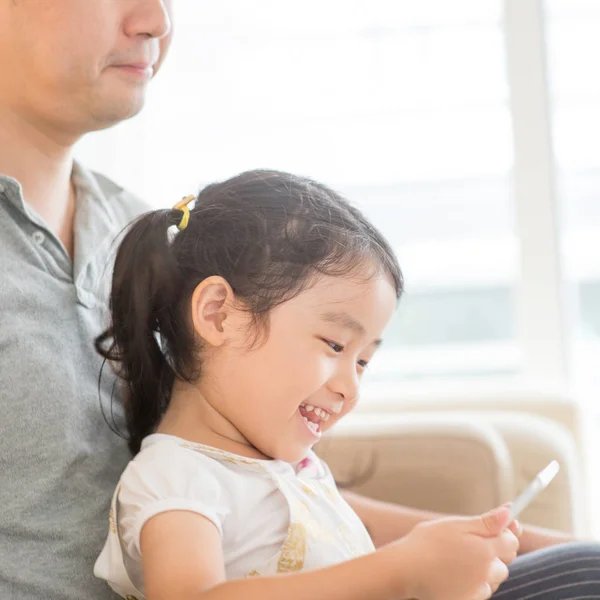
182	205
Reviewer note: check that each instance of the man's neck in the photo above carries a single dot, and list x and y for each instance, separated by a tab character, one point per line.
41	161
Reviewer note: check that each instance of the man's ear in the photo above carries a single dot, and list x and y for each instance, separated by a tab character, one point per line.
212	304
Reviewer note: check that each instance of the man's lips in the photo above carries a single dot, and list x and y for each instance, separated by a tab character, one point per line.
139	69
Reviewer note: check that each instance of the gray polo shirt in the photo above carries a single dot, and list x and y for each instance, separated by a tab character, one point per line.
59	460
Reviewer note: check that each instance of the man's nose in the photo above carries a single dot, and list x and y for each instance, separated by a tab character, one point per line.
149	18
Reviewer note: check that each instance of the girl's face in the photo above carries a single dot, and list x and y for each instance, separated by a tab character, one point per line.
308	369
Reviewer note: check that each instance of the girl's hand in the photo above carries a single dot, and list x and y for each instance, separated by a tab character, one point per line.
458	558
517	529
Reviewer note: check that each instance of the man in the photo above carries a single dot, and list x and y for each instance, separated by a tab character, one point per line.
69	67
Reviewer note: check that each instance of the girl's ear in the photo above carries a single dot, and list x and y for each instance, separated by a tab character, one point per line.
213	303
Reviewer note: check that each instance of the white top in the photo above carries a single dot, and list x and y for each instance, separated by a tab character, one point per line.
273	517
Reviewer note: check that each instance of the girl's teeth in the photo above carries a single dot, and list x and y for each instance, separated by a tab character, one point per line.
313	426
321	413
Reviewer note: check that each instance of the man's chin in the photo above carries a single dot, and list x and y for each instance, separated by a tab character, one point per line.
115	110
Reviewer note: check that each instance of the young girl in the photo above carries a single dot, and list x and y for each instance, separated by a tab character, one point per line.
241	337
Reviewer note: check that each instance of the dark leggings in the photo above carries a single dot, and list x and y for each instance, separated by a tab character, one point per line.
567	572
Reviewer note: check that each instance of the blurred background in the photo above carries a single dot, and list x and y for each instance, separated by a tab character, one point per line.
469	131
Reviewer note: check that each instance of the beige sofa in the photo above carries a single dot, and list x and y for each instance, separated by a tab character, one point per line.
459	461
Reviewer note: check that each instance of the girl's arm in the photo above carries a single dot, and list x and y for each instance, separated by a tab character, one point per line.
452	558
178	567
387	522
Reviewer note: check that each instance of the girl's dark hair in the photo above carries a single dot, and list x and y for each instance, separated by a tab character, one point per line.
269	234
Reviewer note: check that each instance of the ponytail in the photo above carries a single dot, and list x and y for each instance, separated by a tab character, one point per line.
146	288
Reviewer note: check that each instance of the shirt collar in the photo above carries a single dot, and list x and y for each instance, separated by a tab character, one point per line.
96	226
12	191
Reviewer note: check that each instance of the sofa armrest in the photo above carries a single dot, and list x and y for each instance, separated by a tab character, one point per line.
442	462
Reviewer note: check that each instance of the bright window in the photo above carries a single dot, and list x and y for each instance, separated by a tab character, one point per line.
573	49
403	106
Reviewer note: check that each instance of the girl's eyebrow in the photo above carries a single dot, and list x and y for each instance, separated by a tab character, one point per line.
347	321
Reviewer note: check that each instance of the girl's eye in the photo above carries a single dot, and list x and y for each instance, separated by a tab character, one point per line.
335	347
363	364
